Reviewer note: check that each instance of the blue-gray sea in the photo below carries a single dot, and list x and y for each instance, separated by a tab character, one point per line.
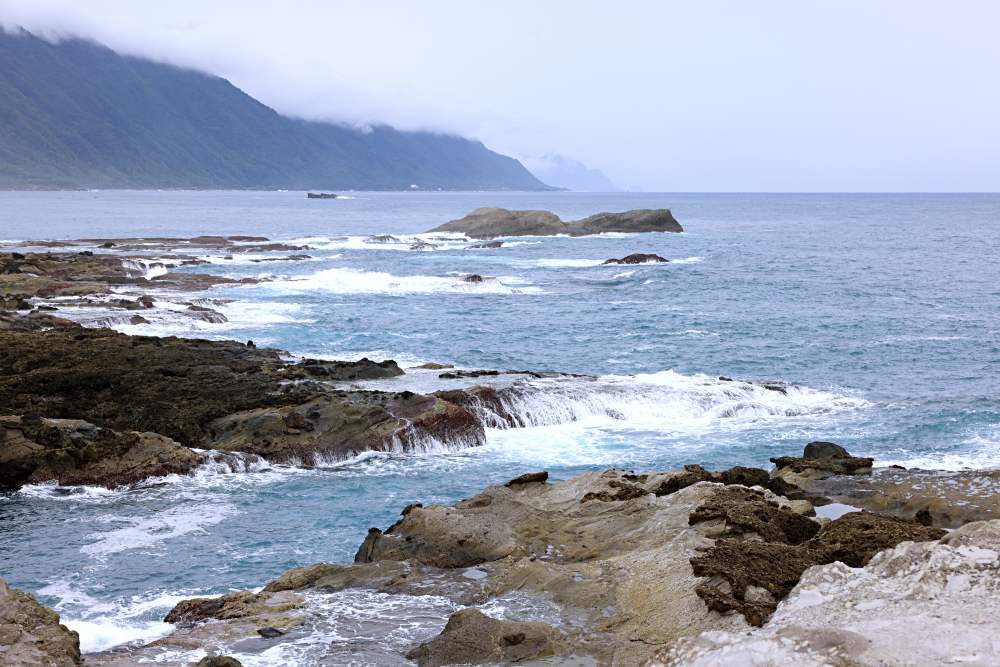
883	310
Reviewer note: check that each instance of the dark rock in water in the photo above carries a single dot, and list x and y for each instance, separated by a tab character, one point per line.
486	223
637	258
488	245
321	195
145	301
456	375
432	366
207	314
251	345
108	244
423	245
218	661
473	278
825	450
529	478
31	635
270	633
819	460
73	452
138	319
365	369
382	238
471	636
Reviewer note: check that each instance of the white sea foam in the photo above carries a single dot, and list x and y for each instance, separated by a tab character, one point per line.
667	401
144	532
105	624
979	450
401	242
688	260
148	268
354	281
568	263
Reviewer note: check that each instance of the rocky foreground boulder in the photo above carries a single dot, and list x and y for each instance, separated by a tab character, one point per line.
626	565
920	603
31	635
487	223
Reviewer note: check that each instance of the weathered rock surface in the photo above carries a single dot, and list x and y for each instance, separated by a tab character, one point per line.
626	568
819	460
922	604
72	452
947	499
206	394
486	223
473	637
31	635
638	258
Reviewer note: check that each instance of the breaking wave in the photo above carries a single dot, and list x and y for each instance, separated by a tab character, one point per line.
355	281
666	401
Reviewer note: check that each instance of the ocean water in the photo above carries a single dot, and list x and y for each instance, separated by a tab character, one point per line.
883	310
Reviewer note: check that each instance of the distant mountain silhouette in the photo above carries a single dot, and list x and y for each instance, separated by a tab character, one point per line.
563	172
78	115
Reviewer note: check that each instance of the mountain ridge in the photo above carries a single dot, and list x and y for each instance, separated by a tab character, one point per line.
77	115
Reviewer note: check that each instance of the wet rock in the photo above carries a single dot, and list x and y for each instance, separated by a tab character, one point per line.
31	635
137	319
472	278
529	478
472	637
432	366
488	245
207	314
73	452
744	511
146	301
231	606
820	459
218	661
825	450
487	223
423	245
638	258
344	423
382	238
364	369
270	633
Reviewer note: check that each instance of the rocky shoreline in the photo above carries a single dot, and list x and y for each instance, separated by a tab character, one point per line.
664	568
808	563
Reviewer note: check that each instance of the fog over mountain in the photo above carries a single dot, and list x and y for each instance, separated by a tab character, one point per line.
892	95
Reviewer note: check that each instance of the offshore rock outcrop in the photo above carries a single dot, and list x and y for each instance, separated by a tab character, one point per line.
638	258
487	223
31	635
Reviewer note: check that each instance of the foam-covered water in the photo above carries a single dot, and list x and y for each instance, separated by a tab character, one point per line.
880	310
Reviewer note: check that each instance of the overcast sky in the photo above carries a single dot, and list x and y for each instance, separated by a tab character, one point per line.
860	95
